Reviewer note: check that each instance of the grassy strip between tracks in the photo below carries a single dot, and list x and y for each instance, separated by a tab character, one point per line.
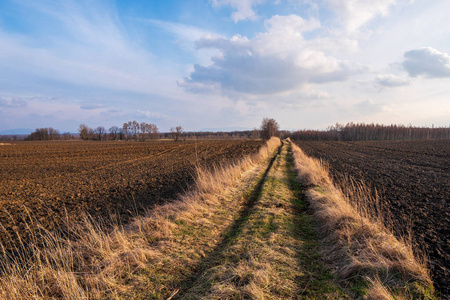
272	251
150	258
359	246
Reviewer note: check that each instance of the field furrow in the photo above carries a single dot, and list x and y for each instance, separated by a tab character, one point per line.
50	182
412	180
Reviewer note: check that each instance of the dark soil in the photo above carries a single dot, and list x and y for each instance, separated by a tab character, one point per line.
412	178
52	182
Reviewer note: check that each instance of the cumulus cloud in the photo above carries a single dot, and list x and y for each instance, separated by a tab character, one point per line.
244	8
390	80
276	61
354	14
427	61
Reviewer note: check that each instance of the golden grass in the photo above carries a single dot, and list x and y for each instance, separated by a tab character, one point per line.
272	254
145	259
357	242
259	262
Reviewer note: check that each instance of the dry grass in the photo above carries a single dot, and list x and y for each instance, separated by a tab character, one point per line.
357	242
259	259
272	254
146	259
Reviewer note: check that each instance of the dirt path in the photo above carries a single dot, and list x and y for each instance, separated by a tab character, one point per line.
271	251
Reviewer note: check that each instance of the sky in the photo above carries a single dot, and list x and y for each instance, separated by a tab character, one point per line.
223	64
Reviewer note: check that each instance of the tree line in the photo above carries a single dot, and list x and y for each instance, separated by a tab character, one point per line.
131	130
371	132
48	134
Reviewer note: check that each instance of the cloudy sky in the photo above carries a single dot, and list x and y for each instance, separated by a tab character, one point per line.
223	63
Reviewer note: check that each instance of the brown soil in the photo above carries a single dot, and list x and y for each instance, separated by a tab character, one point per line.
413	180
55	181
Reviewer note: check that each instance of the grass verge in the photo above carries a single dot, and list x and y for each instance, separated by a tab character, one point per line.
358	245
273	251
146	259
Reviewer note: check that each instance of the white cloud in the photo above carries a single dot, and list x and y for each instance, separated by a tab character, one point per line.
279	60
428	62
244	8
390	80
355	13
152	115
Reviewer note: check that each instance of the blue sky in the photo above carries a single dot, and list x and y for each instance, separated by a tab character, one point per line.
223	63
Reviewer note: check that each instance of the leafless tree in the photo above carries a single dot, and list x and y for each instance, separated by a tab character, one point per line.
369	132
135	128
100	132
120	134
113	131
176	132
255	134
44	134
84	131
125	129
269	128
144	130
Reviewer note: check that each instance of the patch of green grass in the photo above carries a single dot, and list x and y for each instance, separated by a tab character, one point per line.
317	279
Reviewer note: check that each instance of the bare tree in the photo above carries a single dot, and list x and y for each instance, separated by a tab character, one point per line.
113	131
255	134
120	133
144	130
269	128
43	134
154	130
135	128
99	132
84	130
176	132
126	129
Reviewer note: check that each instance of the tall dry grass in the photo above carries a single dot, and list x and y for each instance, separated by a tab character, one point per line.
127	261
357	242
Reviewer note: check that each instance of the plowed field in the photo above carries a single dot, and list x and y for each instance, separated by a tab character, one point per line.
55	180
413	180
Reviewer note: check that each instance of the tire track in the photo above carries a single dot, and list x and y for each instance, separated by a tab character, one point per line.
211	259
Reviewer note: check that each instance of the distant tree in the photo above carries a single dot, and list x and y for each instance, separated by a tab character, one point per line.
120	134
269	128
84	131
43	134
113	132
99	132
154	130
135	128
67	136
255	134
176	132
144	127
91	133
53	134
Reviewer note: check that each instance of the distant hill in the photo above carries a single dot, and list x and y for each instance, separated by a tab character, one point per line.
18	131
